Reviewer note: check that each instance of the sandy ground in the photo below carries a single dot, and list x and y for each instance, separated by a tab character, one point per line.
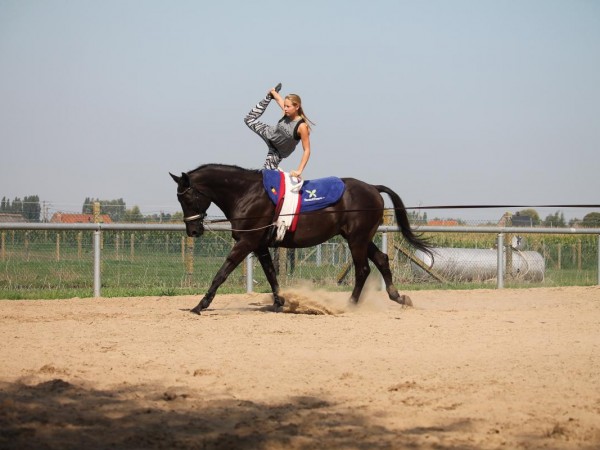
477	369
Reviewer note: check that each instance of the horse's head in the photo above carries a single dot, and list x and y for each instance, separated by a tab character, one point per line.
194	204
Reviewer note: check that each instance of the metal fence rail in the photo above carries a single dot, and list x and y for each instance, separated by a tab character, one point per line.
131	258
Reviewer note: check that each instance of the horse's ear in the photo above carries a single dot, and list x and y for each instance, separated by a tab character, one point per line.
185	180
175	178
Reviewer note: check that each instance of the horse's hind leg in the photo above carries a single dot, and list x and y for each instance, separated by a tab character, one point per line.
382	263
361	268
267	265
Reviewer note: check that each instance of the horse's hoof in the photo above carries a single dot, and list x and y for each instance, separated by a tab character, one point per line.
204	304
195	310
405	300
352	302
395	296
278	301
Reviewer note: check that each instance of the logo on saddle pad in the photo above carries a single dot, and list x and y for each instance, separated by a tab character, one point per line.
312	196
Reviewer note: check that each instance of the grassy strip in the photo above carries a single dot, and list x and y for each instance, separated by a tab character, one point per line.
154	266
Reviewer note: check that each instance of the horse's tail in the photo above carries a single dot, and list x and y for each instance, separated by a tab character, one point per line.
417	242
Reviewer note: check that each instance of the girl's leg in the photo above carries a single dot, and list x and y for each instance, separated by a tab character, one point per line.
251	118
273	160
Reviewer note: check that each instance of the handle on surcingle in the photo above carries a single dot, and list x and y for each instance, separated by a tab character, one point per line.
297	183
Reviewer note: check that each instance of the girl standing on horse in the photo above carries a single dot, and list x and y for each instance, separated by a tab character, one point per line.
282	138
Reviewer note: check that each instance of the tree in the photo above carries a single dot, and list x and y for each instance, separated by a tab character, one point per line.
32	208
17	206
87	206
417	217
591	220
133	215
555	220
158	218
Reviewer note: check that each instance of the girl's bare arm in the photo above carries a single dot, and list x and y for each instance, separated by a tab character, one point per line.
277	97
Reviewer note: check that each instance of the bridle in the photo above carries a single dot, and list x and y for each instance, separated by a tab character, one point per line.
199	217
195	217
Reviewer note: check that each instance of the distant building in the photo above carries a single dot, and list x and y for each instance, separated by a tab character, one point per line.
515	220
521	221
11	218
78	218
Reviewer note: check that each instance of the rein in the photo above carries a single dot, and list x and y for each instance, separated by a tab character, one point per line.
234	229
202	216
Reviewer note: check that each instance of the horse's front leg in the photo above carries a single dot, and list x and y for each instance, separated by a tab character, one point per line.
237	254
267	265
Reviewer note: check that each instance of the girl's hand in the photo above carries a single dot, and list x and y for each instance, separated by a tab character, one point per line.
274	91
295	173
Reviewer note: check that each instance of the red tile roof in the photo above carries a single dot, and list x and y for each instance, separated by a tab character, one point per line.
78	218
443	223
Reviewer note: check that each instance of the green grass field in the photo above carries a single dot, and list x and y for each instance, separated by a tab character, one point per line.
152	264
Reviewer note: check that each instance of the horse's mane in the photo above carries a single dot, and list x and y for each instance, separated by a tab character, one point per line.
222	167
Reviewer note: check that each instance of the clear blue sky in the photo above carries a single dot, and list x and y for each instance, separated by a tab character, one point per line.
446	102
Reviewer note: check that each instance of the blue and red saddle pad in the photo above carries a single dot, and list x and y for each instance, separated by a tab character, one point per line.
314	194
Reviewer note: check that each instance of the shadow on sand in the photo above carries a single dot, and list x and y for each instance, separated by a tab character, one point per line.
57	414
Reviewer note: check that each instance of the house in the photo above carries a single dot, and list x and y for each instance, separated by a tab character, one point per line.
11	218
60	217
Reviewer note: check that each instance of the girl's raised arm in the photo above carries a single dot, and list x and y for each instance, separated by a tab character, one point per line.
277	97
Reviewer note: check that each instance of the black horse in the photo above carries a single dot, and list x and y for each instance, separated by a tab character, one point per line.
240	194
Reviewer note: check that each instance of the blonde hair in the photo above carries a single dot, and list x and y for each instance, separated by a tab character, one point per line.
297	101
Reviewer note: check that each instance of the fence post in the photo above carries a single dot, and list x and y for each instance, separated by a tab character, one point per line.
96	211
249	273
3	246
384	245
508	257
57	247
79	245
132	246
117	246
189	256
27	245
500	268
97	263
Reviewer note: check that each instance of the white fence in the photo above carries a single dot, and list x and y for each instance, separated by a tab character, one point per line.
502	255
